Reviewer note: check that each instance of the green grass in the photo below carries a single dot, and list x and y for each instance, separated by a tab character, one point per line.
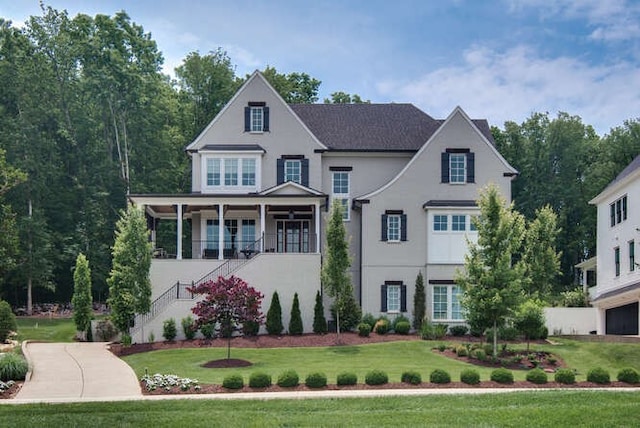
552	408
392	357
45	329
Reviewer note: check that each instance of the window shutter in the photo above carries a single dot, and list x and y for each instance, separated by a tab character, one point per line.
304	170
403	227
280	171
247	119
403	298
383	298
265	119
444	161
471	168
384	227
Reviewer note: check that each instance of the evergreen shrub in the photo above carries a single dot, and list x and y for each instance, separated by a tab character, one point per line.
233	381
412	377
188	328
502	375
470	377
629	375
598	375
376	377
402	327
316	380
364	329
169	331
458	330
288	379
346	378
537	376
565	376
259	380
439	376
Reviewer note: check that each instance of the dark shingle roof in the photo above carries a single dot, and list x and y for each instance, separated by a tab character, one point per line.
635	164
372	127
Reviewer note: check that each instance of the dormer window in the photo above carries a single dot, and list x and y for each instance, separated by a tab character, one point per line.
256	117
231	172
458	166
292	170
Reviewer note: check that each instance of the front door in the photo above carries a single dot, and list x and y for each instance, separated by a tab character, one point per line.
293	236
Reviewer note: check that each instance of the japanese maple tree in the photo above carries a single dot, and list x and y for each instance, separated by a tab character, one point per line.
228	304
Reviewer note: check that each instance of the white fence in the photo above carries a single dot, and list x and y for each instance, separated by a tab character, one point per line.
573	321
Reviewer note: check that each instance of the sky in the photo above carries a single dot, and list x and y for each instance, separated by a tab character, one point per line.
497	59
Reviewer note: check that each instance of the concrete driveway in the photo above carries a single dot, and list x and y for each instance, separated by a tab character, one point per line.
76	371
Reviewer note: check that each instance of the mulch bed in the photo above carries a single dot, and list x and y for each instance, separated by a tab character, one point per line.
11	392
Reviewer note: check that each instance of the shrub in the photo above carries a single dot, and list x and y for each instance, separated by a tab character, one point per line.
439	376
537	376
316	380
419	302
369	319
461	351
187	328
259	380
208	330
426	331
402	327
376	377
169	331
274	316
565	376
382	326
347	378
442	347
507	333
12	367
233	381
151	338
458	330
480	354
440	330
502	375
105	330
319	320
628	375
399	319
126	340
598	375
250	328
288	379
470	377
295	321
364	329
7	321
411	377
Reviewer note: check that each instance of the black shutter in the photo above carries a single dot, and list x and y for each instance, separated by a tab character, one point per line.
444	161
304	169
403	227
247	119
403	298
471	168
265	119
383	298
384	227
280	171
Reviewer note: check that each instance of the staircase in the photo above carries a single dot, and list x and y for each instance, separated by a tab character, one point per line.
179	291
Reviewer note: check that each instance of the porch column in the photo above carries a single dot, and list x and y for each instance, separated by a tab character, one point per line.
317	212
263	219
220	231
179	232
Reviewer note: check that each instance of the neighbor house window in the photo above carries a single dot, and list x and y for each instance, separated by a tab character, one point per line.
458	166
341	192
632	256
394	226
618	211
446	302
393	297
616	258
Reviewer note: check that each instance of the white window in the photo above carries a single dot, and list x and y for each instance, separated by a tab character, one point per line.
292	170
248	172
341	192
393	227
393	298
213	172
248	233
446	302
257	119
457	168
231	172
440	223
458	222
618	211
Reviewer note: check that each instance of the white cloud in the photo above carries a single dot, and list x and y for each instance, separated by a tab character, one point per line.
511	85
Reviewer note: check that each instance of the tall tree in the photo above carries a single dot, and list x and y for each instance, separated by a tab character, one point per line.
419	303
492	279
295	88
82	300
541	259
345	98
129	284
9	178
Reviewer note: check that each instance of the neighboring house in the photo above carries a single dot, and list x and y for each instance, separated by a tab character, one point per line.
618	274
264	174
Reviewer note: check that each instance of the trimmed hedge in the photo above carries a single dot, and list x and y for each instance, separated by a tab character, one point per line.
502	375
376	377
288	379
259	380
598	375
412	377
470	377
565	376
316	380
233	381
439	376
402	327
537	376
629	375
346	378
364	329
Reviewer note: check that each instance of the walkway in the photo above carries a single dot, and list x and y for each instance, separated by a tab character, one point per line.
76	371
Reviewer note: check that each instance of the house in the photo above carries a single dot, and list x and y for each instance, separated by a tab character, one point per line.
264	175
617	291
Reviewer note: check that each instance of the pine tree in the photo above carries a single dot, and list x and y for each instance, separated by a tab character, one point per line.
274	316
419	303
295	322
319	320
82	299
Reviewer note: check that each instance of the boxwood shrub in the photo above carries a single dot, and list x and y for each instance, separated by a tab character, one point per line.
288	379
458	330
537	376
439	376
502	375
402	327
316	380
412	377
598	375
12	367
565	376
364	329
470	377
233	381
259	380
376	377
629	375
382	326
347	378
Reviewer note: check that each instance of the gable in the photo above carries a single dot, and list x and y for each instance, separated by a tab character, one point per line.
290	188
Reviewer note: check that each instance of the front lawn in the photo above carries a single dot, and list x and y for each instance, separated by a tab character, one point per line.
552	408
46	329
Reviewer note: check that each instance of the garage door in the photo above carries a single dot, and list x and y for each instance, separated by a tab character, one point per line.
623	320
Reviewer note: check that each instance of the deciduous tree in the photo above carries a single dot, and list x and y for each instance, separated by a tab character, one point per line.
529	319
541	259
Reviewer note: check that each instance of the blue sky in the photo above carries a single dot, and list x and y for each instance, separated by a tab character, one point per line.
497	59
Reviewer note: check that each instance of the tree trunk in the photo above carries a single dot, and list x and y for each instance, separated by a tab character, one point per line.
338	325
29	297
229	347
495	339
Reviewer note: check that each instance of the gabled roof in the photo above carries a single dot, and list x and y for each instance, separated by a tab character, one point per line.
288	186
625	175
